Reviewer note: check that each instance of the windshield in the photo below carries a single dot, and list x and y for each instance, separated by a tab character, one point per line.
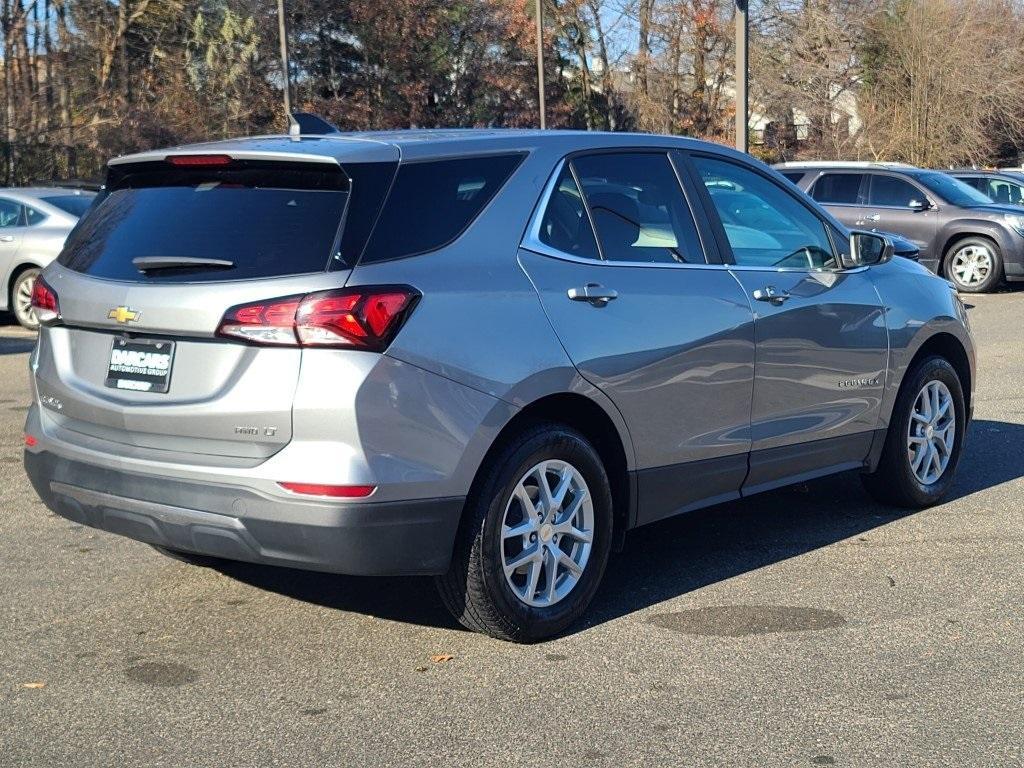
952	190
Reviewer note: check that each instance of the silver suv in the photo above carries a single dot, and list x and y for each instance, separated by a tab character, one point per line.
482	355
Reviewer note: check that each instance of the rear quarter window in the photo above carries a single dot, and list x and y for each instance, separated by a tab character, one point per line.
432	202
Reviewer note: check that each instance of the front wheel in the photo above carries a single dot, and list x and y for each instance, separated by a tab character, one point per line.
21	299
535	537
974	265
925	438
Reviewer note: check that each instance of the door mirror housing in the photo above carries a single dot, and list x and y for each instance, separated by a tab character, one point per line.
919	205
868	249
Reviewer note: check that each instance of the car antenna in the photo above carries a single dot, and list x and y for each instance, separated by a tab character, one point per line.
294	129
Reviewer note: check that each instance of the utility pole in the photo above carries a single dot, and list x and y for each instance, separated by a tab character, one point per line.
282	32
540	64
742	98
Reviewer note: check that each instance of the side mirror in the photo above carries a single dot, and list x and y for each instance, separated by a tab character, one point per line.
868	249
919	205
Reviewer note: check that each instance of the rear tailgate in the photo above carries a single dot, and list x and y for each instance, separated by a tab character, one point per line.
100	372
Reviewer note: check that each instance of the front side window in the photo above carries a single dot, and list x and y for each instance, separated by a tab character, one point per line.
893	192
10	213
765	225
838	188
565	226
638	208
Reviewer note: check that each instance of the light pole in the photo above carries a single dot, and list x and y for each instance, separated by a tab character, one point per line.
540	65
282	32
742	99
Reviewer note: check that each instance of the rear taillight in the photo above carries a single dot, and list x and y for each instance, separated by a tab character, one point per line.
44	302
358	318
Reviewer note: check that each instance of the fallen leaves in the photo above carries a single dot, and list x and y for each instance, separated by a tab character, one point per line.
33	685
441	658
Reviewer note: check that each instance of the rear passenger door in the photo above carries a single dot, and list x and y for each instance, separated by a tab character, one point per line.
822	343
843	194
623	273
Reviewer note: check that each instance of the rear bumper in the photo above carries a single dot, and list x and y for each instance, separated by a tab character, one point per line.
383	538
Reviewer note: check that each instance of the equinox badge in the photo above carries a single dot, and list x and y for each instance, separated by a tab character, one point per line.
123	314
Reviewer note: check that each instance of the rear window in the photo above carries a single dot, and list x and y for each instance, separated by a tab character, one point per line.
267	219
76	205
838	188
432	203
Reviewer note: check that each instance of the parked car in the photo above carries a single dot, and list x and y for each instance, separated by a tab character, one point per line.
1005	187
483	355
961	233
34	222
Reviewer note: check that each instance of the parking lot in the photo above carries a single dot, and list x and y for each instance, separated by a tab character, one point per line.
808	626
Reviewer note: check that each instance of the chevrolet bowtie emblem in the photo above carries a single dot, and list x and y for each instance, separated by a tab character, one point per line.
123	314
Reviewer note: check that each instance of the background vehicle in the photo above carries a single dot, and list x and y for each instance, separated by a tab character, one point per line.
34	222
961	233
221	372
1005	187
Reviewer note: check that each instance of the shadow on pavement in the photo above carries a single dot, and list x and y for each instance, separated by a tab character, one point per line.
673	557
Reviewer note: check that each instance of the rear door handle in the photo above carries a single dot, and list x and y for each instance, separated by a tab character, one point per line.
873	217
771	294
594	293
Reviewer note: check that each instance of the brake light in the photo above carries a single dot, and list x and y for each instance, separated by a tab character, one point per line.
335	491
44	302
199	160
359	318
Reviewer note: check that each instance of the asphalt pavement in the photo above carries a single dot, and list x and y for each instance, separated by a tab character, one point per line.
807	626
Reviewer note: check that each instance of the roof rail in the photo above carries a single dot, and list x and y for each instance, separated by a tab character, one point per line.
91	186
843	164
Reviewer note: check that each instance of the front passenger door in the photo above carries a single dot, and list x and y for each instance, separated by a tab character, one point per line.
820	333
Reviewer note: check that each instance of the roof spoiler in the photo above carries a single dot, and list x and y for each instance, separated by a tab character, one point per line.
308	124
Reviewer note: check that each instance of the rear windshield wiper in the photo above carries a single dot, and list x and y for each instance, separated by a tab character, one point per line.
151	263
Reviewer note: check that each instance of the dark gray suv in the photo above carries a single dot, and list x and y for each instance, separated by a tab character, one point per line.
962	233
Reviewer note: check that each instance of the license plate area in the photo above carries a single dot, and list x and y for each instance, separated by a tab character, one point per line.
140	365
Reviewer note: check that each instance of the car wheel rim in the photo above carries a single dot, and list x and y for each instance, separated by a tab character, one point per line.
972	265
23	302
547	533
931	433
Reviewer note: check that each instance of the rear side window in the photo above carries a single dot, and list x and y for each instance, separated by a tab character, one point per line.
33	217
268	219
638	208
893	192
10	213
794	176
76	205
432	203
838	188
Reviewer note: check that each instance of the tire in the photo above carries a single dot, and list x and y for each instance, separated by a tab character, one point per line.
974	265
192	558
895	481
21	291
476	589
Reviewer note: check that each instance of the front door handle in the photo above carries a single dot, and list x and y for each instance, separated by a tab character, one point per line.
7	239
771	294
873	217
594	293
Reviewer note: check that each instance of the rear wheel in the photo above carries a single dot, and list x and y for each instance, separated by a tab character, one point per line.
535	537
21	298
925	437
974	265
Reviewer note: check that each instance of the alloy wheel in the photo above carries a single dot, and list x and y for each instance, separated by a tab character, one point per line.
547	533
22	301
932	432
972	264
